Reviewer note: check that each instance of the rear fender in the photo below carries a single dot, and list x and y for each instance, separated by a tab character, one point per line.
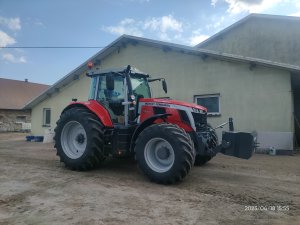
96	108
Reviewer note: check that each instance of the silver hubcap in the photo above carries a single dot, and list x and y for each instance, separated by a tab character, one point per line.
159	155
73	139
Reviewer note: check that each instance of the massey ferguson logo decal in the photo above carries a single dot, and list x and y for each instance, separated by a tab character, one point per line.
157	104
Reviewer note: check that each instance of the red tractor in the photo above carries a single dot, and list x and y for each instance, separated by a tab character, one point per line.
120	119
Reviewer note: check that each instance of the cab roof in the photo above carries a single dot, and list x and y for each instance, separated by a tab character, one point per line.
100	72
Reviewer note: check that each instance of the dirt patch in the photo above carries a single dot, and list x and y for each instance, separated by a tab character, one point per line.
35	188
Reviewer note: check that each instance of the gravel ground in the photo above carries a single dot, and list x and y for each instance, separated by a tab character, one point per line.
35	188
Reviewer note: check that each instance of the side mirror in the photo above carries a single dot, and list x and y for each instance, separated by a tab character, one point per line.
164	86
110	82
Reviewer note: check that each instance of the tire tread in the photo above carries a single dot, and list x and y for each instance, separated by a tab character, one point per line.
94	154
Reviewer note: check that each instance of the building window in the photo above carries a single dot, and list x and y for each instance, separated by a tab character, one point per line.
1	119
46	117
21	119
211	102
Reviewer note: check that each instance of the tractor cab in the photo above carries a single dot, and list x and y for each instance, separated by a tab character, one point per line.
119	91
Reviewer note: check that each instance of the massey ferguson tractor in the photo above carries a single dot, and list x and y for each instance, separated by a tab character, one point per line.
121	119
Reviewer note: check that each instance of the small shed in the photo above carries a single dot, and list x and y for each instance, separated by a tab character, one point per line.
14	94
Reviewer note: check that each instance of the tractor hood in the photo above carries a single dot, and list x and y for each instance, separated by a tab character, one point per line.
169	102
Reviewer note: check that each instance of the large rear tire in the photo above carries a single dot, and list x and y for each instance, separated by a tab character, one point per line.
164	152
200	160
79	139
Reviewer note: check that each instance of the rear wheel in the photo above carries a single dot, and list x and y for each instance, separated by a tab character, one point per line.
79	139
212	144
164	153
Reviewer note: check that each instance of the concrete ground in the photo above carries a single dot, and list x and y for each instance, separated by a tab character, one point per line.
35	188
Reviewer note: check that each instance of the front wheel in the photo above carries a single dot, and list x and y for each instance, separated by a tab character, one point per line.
164	153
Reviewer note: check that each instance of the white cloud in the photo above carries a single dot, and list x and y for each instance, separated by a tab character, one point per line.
12	23
297	6
297	10
256	6
22	59
13	59
163	27
163	24
5	39
197	38
295	14
295	3
39	23
164	37
251	6
216	23
214	2
126	26
127	21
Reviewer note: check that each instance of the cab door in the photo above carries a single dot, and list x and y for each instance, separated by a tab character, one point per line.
112	98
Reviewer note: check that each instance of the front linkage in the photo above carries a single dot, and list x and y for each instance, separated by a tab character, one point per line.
237	144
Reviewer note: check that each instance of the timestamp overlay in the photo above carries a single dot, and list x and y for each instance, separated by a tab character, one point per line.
275	208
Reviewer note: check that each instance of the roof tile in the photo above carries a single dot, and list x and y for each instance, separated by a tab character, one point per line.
14	94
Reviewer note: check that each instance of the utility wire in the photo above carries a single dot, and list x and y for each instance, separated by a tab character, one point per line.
52	47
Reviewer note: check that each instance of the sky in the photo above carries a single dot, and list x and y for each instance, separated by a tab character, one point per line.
96	23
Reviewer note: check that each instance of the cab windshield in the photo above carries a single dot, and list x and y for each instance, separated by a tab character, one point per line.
140	87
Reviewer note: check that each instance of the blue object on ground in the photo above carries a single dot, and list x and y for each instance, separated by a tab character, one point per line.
29	138
38	138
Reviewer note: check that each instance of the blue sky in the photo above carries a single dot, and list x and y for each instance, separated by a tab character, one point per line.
99	22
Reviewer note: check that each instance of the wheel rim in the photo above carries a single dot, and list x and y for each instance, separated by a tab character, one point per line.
73	139
159	155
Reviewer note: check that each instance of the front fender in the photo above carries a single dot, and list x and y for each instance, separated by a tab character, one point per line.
145	124
96	108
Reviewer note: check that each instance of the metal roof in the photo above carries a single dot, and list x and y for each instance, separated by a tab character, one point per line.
245	19
128	39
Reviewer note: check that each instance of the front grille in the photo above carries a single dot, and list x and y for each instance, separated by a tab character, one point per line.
200	121
184	117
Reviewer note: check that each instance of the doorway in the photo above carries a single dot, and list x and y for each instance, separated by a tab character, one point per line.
295	79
